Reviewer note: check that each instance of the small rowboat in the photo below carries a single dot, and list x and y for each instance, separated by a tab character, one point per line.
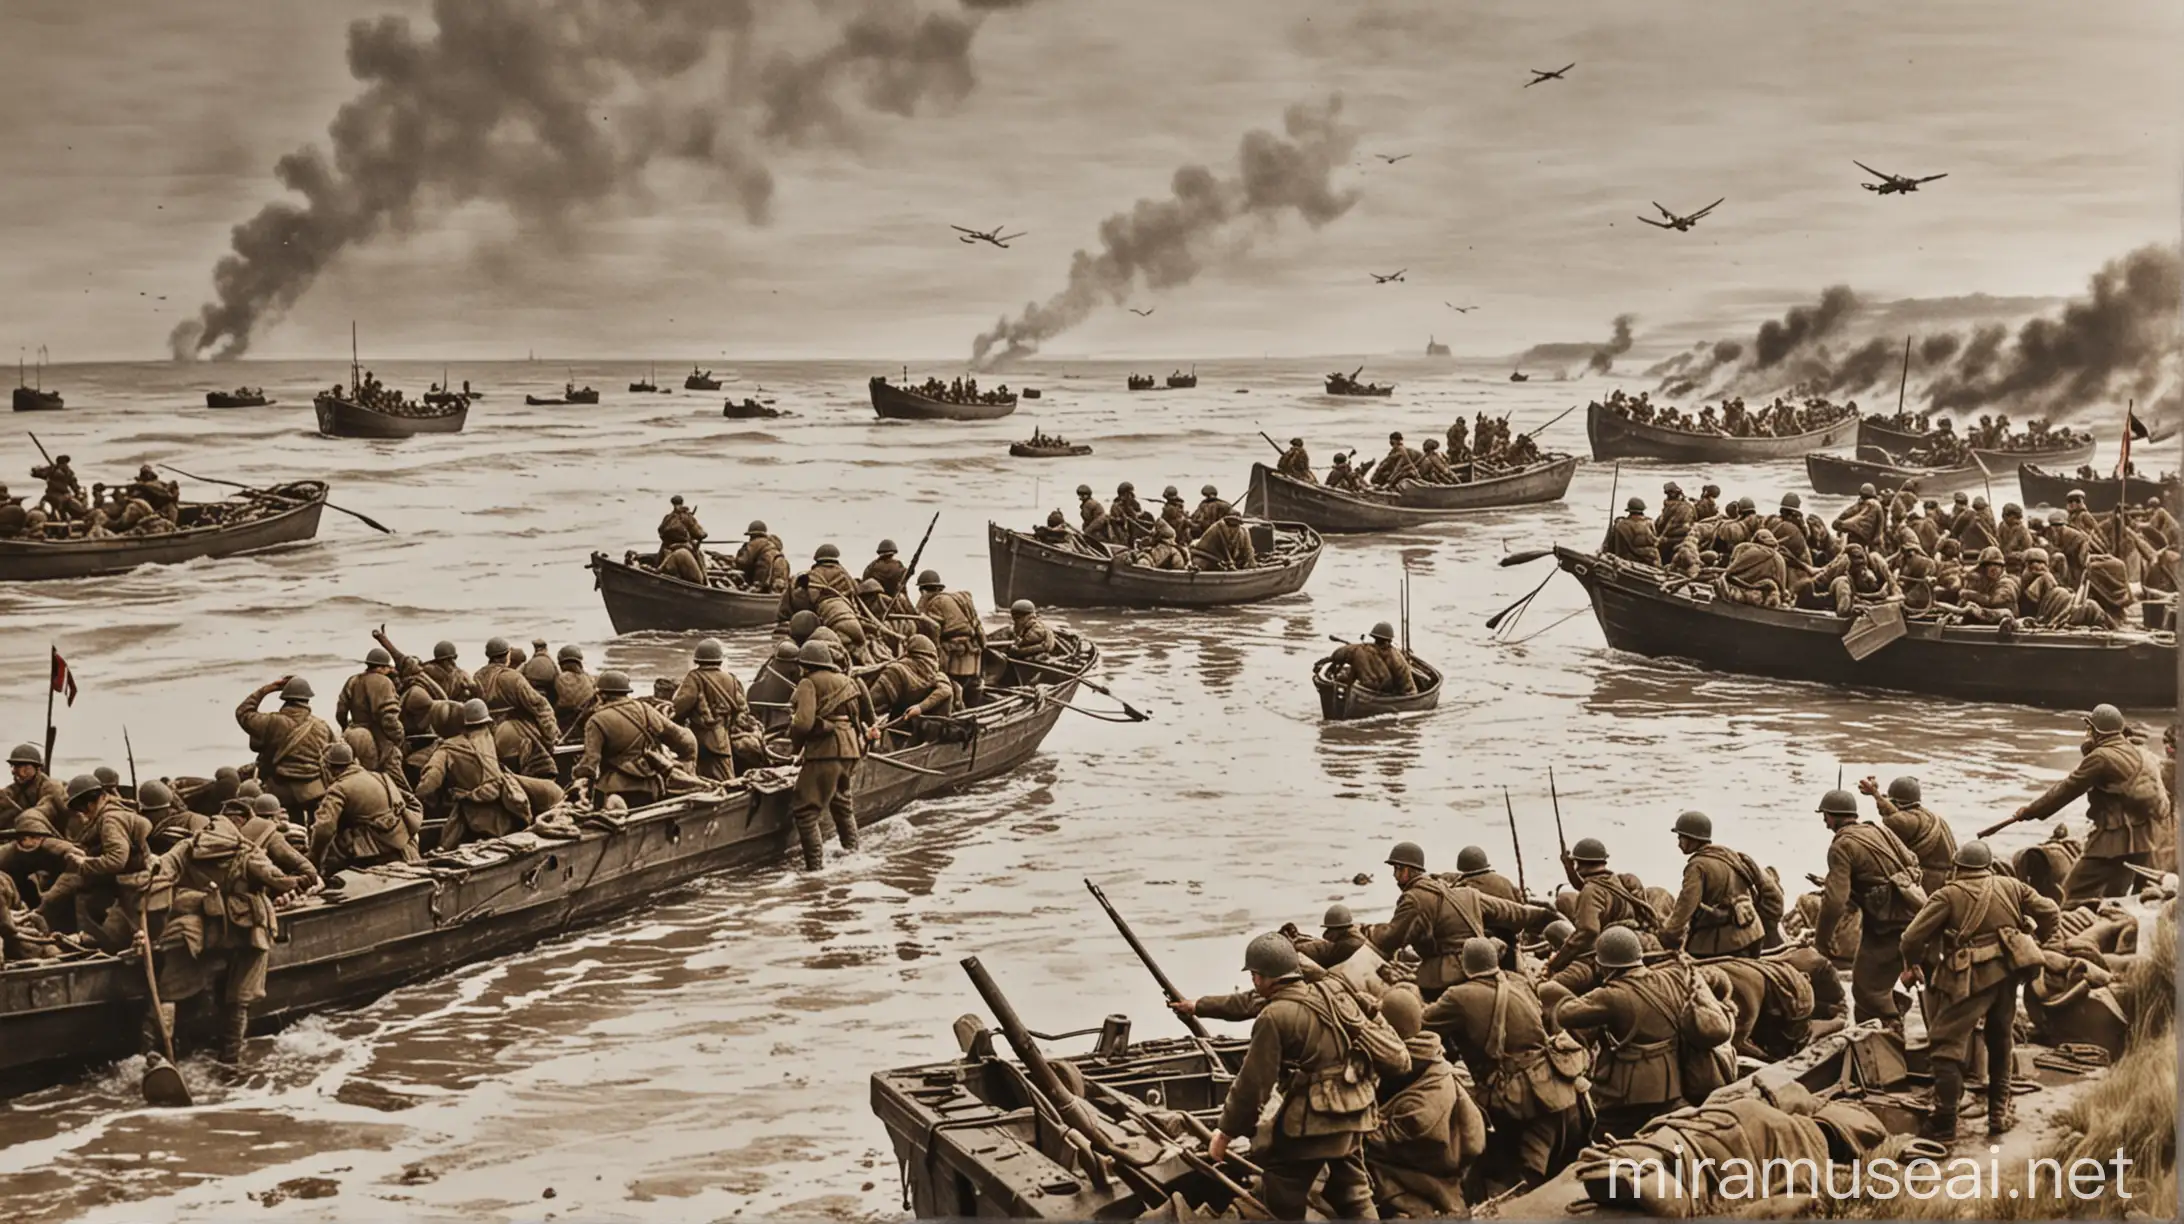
1619	437
1413	504
294	518
1027	568
1872	432
903	404
1835	475
751	410
541	401
2041	487
345	418
1027	450
639	599
1519	376
1340	700
236	399
584	395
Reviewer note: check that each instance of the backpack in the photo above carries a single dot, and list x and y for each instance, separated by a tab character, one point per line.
1345	1096
1901	894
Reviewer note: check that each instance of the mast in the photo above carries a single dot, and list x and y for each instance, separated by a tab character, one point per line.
1906	383
356	384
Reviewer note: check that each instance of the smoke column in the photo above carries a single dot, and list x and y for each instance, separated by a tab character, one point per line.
1603	359
554	109
1205	217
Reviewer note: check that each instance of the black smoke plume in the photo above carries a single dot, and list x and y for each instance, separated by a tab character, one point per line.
1205	218
554	110
1603	358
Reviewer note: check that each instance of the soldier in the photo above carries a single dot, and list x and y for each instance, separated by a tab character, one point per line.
1756	574
99	894
1637	1074
2107	586
2013	537
1344	477
1173	514
1432	467
760	560
63	492
1296	463
1631	537
1776	997
1871	871
1337	941
1677	516
1416	1156
1856	576
2125	799
1399	464
368	700
1787	525
2075	512
1056	531
1988	595
1433	918
1970	939
483	799
1926	835
1863	521
680	516
1313	1042
30	786
1095	525
1975	529
364	819
1162	553
524	724
912	685
454	683
679	557
711	703
773	684
962	635
828	720
1474	871
290	743
1377	666
886	570
1728	906
220	928
540	669
1127	521
1225	546
1605	900
573	690
170	821
1211	509
263	823
623	740
1532	1087
1709	504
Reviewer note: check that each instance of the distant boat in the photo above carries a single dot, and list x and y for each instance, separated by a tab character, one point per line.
1519	376
645	385
30	398
1181	381
345	414
1030	393
1141	382
1339	383
1435	348
441	395
700	381
240	397
751	410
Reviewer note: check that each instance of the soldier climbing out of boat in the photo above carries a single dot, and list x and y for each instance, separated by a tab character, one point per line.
219	930
830	718
1636	1015
1296	463
1377	665
1338	940
962	635
910	687
1631	537
711	702
630	748
99	894
1728	906
290	743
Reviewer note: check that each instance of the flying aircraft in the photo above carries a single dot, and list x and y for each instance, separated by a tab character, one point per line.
1892	184
1396	275
1459	309
1675	222
1391	160
1146	313
1556	75
994	236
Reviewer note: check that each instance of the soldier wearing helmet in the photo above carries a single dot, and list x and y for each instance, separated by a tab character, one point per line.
263	823
1296	462
524	722
1631	537
365	818
222	869
1756	574
30	786
482	798
1708	504
1973	938
1863	521
1056	531
1376	665
1211	509
1163	553
1092	521
623	743
170	821
1175	514
680	520
1337	941
1676	519
1857	575
1309	1033
1128	522
886	569
1530	1085
1606	899
1434	917
1987	595
443	670
1927	835
679	557
962	636
63	492
912	685
2040	597
1473	870
1639	1074
773	684
539	669
573	690
1399	464
1225	545
1869	870
812	590
1728	906
1429	1125
1030	638
99	894
369	700
290	743
829	718
710	701
761	562
2013	536
2125	798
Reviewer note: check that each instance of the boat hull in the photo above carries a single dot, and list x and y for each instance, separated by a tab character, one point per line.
218	399
1024	568
1025	450
340	418
750	410
1888	438
638	600
2068	670
1615	437
1285	498
701	384
2040	487
28	561
29	399
1341	702
1834	474
894	403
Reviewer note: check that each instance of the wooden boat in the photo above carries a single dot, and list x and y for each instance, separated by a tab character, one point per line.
1836	475
1340	700
582	395
1142	382
239	398
1641	611
541	401
26	560
1519	376
1031	393
1179	381
1335	511
751	410
1619	437
1025	568
2041	487
399	923
444	399
640	599
1872	432
700	381
646	385
342	417
1063	450
1347	384
2000	461
902	404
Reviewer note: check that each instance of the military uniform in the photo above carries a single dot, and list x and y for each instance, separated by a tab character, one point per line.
483	799
1862	522
1433	918
1211	509
827	720
573	693
454	683
962	641
1755	576
1637	1073
1176	517
41	790
1296	464
762	565
1605	898
1331	947
889	572
680	562
912	685
1958	936
369	701
1631	538
1225	545
1854	577
1867	865
2125	799
1416	1156
712	704
99	894
1533	1094
1776	998
364	820
1675	522
1926	835
1727	906
540	669
622	739
220	927
1376	667
524	727
291	745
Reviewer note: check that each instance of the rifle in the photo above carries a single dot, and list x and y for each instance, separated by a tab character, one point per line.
41	448
129	748
1271	442
1199	1034
922	542
1514	848
1534	432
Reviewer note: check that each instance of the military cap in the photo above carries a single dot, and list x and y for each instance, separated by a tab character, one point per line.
1712	490
1839	802
1384	632
929	579
2074	495
377	656
1023	607
2012	510
1557	931
1170	493
1672	488
1337	917
1470	859
1433	444
26	754
1055	519
2057	518
1397	436
2036	556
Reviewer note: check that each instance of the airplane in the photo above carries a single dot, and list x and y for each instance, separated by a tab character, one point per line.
1144	314
1391	160
1675	222
1396	275
1892	184
1556	75
1459	309
994	236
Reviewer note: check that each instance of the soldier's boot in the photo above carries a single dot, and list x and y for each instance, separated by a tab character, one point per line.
1941	1122
845	827
234	1026
2001	1105
814	842
148	1038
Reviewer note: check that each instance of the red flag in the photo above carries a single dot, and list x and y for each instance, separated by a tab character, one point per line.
64	680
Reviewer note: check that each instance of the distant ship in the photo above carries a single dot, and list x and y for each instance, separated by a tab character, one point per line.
1435	348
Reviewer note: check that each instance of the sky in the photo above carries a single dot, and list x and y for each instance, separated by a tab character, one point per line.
143	131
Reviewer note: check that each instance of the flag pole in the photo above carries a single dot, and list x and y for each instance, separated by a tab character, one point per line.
52	662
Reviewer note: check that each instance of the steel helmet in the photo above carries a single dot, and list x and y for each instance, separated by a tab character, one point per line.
1296	441
804	624
1979	503
1170	493
1383	632
572	653
1337	917
1974	855
1990	555
2036	556
784	651
1125	487
2105	719
1396	436
443	652
339	755
377	656
1480	956
475	713
297	689
869	586
1712	490
1904	790
1866	490
826	552
675	500
154	796
1839	803
1791	501
1433	444
709	651
816	654
248	788
1671	488
757	528
825	634
1404	1011
81	785
1556	932
1618	948
1636	505
1471	858
1766	537
108	777
1023	607
1209	491
614	682
496	647
929	580
1055	519
1084	490
2012	510
887	548
1407	854
1271	955
265	805
1697	826
26	754
1589	850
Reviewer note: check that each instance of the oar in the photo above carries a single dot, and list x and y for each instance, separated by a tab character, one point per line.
1136	715
1494	621
904	765
366	519
162	1084
1025	692
1526	557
